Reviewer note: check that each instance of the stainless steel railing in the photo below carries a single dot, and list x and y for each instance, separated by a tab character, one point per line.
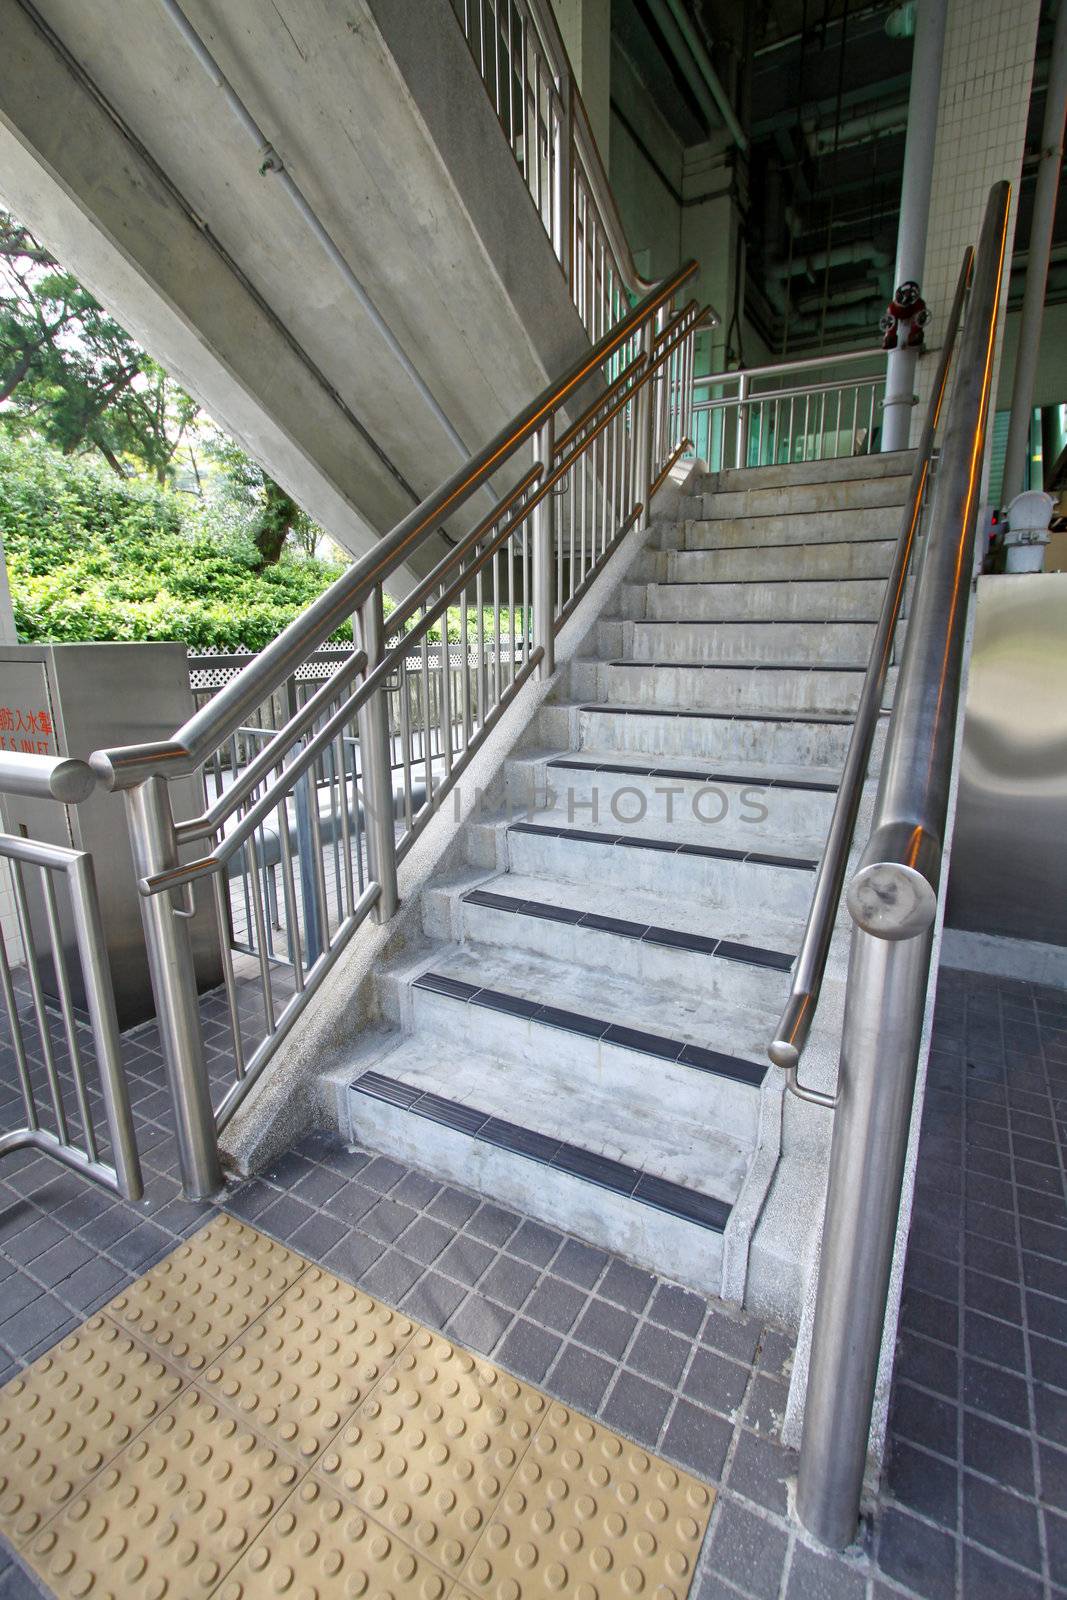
516	576
799	1011
776	414
57	1082
519	52
893	900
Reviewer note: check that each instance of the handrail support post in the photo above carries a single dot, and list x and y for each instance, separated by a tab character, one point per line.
375	755
544	550
168	939
887	981
741	442
644	423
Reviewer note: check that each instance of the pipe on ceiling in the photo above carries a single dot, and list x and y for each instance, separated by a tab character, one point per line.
840	255
695	65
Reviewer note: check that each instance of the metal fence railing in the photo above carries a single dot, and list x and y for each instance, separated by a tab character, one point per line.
790	411
62	1082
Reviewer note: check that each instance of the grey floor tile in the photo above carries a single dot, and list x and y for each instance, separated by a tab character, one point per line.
353	1255
382	1173
534	1242
748	1551
605	1327
984	1577
415	1189
555	1303
658	1354
493	1225
387	1219
433	1299
453	1206
42	1319
715	1381
636	1408
697	1439
509	1281
813	1575
580	1378
580	1263
528	1350
425	1239
465	1259
923	1482
920	1557
391	1276
478	1323
759	1471
734	1336
627	1286
1001	1521
318	1236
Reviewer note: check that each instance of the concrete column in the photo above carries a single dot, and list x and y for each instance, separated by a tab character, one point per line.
1048	181
586	29
986	77
711	226
915	206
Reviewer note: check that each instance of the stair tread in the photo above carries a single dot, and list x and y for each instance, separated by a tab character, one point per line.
695	767
697	1156
688	916
833	718
685	832
687	1018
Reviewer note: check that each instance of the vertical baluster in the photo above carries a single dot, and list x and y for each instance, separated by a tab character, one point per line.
18	1042
294	940
266	991
66	1009
33	973
428	721
345	828
376	763
405	743
229	983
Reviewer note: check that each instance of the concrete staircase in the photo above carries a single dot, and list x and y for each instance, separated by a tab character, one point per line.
582	1030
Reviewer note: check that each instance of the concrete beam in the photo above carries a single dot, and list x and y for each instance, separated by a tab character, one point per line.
70	172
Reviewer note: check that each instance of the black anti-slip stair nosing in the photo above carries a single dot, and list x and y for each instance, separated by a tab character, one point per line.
643	932
631	771
639	842
807	718
765	622
717	1062
690	1205
745	666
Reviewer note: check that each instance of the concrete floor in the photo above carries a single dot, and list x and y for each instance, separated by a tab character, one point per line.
974	1500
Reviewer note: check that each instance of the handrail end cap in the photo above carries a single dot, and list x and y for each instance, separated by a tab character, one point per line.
891	901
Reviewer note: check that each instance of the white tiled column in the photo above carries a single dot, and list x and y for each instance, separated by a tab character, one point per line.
981	132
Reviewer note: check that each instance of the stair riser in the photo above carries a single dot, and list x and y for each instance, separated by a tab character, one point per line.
833	560
781	891
835	602
731	688
650	1238
659	804
734	982
844	472
639	1085
721	741
728	524
679	624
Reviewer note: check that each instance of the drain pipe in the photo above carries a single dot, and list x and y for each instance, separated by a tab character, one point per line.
707	72
271	162
915	207
1037	265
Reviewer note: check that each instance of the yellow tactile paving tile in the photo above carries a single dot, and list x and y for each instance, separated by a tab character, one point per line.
329	1447
303	1367
171	1514
591	1516
430	1453
202	1296
320	1547
68	1414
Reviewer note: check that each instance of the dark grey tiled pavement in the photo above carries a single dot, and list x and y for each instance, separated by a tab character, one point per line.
974	1501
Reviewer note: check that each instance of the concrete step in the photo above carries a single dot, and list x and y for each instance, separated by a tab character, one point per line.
811	741
800	500
799	599
690	602
733	687
582	1031
657	1221
728	873
768	524
841	469
597	787
677	628
646	938
847	610
832	560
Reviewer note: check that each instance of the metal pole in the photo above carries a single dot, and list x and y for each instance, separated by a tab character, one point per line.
170	962
1041	226
741	441
915	187
376	761
893	901
544	545
644	417
876	1085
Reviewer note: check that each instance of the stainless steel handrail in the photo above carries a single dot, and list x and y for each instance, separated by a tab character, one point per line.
776	368
61	778
127	766
893	902
799	1011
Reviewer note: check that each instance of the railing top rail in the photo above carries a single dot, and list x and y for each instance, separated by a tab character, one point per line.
123	768
61	778
780	368
920	690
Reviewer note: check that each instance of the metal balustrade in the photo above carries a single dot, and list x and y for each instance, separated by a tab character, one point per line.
518	51
63	1058
322	770
776	414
